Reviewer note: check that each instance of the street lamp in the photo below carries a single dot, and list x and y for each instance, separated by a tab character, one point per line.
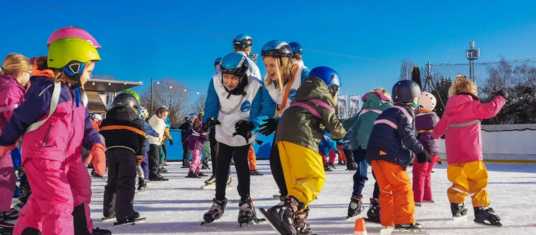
472	55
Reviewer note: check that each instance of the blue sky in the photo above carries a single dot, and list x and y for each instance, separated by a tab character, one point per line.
384	30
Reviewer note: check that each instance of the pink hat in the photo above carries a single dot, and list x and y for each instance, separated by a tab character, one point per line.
72	32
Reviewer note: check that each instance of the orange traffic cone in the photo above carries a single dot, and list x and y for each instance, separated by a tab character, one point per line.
360	228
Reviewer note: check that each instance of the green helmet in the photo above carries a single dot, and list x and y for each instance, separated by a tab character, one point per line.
132	93
71	55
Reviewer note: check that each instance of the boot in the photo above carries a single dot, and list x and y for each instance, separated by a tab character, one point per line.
356	206
458	210
246	213
192	174
373	213
282	216
211	180
255	172
216	210
142	184
302	227
486	216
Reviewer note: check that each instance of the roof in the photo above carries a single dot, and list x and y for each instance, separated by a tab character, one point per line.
100	85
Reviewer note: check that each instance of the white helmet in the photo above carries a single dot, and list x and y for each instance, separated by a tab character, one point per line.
96	117
427	101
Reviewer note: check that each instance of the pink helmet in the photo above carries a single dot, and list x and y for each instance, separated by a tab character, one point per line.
72	32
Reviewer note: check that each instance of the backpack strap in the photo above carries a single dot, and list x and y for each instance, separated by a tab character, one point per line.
309	108
122	127
53	105
406	113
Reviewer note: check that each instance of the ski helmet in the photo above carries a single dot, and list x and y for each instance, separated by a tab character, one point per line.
125	99
144	114
427	101
329	76
217	61
234	63
71	55
296	48
132	93
276	48
407	91
96	117
242	41
72	32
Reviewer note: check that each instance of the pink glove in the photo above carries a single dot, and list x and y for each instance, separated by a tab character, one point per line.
98	157
5	149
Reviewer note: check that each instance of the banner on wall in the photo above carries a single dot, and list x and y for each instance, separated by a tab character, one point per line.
355	104
342	106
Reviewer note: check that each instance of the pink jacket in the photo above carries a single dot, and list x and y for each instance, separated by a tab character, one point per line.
464	144
11	96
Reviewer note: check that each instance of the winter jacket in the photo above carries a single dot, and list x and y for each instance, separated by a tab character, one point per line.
361	124
393	136
166	136
185	127
196	137
464	144
149	131
11	96
425	123
327	144
311	113
122	128
62	136
159	125
346	141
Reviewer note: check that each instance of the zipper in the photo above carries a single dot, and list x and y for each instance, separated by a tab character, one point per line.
70	127
47	136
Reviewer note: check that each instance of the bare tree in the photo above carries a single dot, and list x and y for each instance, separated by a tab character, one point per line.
405	69
199	105
169	92
102	77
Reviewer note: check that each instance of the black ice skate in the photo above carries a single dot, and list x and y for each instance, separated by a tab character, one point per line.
487	216
204	165
255	172
458	210
99	231
142	184
282	216
133	219
413	228
300	221
192	174
246	215
356	206
215	212
373	213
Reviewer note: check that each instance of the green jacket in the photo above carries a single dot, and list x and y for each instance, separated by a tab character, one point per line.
303	127
361	124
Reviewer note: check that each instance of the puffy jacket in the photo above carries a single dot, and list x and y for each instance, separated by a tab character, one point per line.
312	109
464	144
425	123
327	144
11	96
159	125
62	136
196	137
361	124
166	136
118	127
393	136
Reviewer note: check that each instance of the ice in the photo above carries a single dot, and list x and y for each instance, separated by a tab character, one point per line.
177	206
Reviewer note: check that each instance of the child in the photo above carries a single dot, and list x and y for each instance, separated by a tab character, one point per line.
124	133
463	141
185	128
374	103
53	142
143	169
159	125
389	150
196	137
425	121
326	149
299	131
297	53
347	151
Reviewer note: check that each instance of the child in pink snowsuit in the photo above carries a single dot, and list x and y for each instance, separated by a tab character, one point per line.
196	137
425	121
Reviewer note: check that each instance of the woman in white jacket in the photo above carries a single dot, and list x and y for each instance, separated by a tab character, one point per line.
158	123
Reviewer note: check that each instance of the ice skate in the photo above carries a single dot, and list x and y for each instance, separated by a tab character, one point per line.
373	214
458	210
281	217
300	221
99	231
192	174
487	216
6	226
356	206
407	228
246	215
255	172
133	219
204	165
215	212
201	174
142	185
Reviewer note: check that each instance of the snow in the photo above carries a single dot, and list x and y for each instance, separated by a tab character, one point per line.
177	206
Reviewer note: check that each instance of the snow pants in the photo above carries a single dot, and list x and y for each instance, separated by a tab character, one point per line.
61	193
154	161
195	165
162	157
332	156
145	166
360	176
342	157
8	182
422	180
121	186
252	159
303	170
468	179
396	198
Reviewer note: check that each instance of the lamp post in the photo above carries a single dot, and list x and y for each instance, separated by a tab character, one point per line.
472	55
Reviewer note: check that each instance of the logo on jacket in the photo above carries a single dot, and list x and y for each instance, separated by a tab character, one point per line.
292	94
246	106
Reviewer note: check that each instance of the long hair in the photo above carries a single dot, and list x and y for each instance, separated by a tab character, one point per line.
463	84
15	64
283	73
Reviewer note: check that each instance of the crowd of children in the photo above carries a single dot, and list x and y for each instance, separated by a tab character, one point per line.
298	105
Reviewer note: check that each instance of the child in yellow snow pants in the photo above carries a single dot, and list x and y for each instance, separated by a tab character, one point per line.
468	179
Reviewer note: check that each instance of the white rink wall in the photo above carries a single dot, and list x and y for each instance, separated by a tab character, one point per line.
507	142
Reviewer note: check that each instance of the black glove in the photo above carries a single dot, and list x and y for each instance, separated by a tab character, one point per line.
244	128
503	93
170	142
211	122
269	127
259	142
423	157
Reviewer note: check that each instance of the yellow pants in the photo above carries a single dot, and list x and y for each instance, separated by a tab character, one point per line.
303	170
468	179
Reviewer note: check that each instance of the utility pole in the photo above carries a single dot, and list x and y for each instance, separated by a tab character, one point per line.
152	96
472	55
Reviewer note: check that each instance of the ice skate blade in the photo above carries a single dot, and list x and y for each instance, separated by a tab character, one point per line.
273	222
410	231
106	219
211	187
460	218
372	221
487	224
132	222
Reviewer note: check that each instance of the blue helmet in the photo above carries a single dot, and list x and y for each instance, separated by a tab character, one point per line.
276	48
242	41
407	91
217	61
328	75
234	63
296	48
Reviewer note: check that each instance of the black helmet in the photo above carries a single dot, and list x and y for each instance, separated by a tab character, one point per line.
407	91
125	99
242	41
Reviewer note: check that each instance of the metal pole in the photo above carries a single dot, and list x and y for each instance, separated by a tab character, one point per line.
152	95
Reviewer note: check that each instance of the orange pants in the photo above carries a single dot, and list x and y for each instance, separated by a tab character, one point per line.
252	159
342	157
396	196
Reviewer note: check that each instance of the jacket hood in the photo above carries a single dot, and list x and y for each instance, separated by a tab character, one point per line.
456	104
8	81
376	100
314	88
122	113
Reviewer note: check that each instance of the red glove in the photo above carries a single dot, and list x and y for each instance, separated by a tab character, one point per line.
139	159
5	149
98	157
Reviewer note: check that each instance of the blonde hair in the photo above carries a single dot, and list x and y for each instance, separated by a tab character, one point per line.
462	84
383	91
60	76
15	64
283	72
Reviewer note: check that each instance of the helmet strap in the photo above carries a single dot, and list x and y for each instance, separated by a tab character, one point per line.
74	70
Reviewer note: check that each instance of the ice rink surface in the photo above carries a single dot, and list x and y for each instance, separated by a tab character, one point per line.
177	206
